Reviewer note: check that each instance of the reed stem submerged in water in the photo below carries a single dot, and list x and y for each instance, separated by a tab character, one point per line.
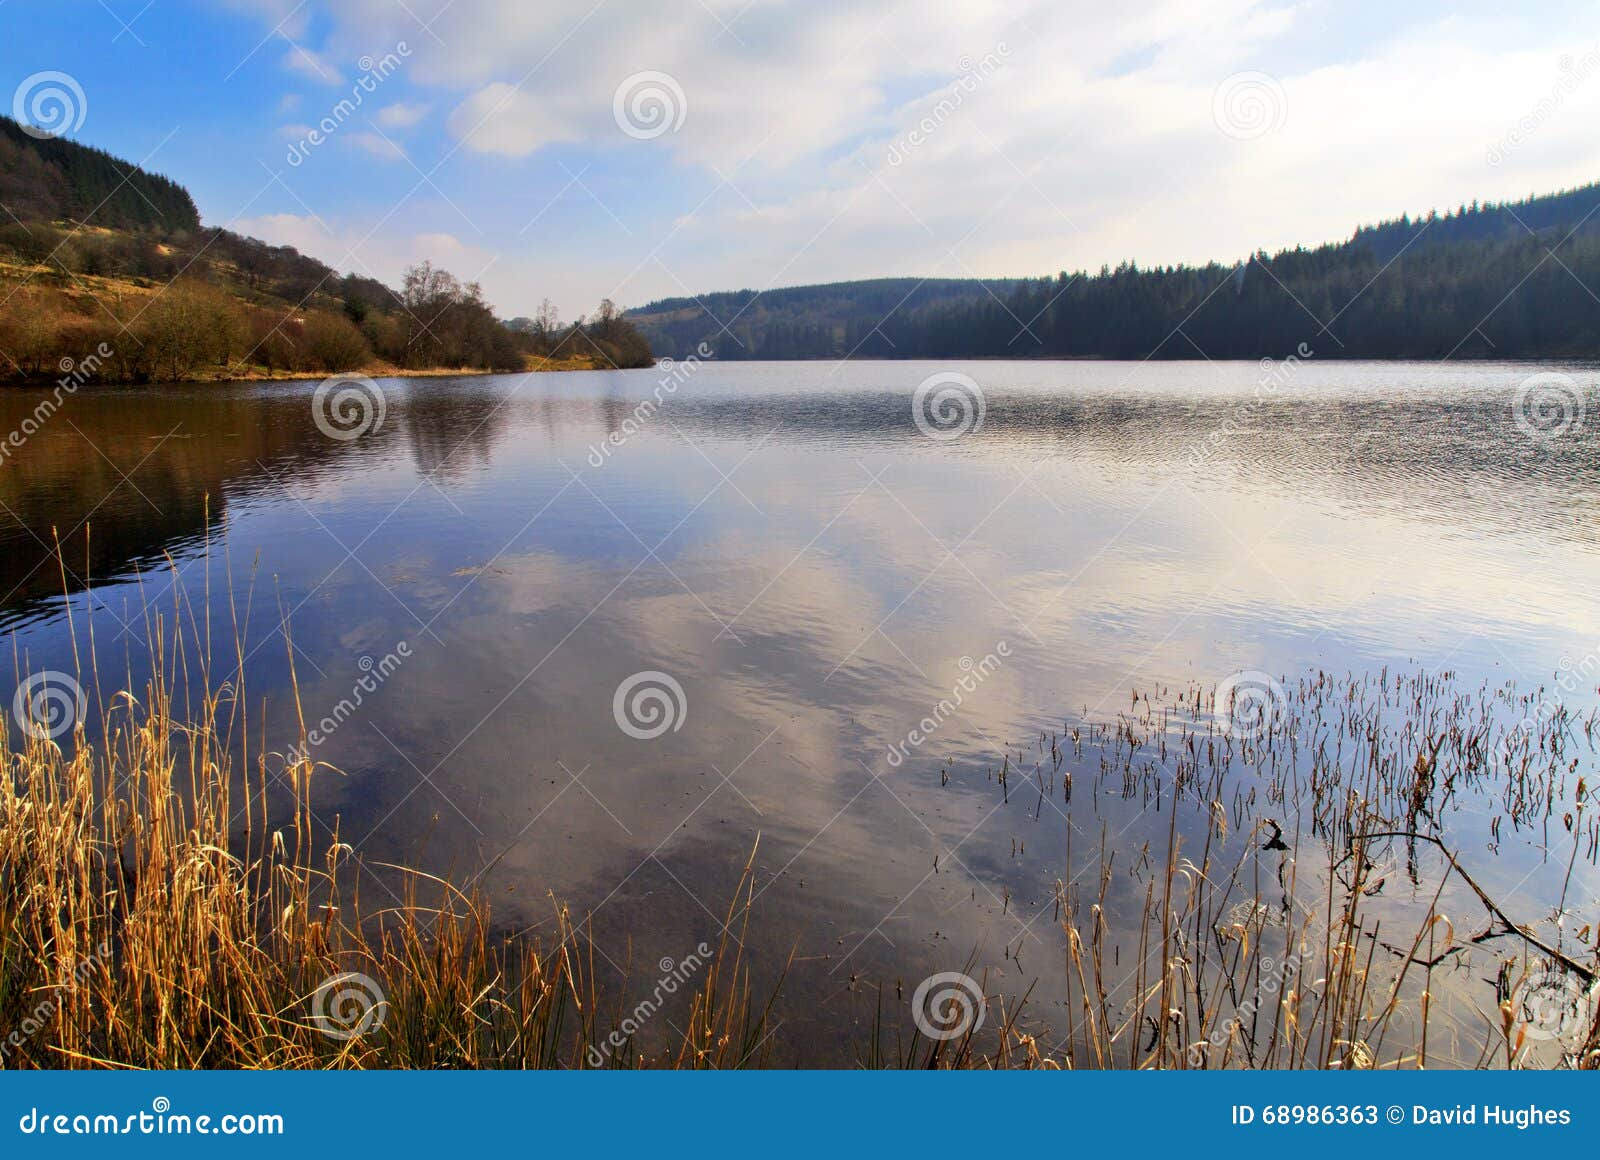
153	914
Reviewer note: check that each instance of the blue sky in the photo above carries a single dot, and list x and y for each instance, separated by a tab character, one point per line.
817	141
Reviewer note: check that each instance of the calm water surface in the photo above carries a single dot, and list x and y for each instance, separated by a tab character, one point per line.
815	574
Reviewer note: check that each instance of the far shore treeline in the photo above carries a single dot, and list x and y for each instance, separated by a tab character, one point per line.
1511	280
106	265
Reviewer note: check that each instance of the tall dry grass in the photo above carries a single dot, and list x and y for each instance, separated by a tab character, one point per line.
152	917
165	902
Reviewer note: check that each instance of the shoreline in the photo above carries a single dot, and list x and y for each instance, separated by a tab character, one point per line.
1560	359
208	947
260	375
583	363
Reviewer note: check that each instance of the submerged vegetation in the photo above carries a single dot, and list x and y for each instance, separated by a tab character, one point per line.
166	901
1321	913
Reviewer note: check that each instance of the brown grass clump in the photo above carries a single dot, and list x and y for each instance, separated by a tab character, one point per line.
149	918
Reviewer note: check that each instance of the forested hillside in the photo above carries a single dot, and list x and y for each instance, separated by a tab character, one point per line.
799	321
97	255
53	179
1515	280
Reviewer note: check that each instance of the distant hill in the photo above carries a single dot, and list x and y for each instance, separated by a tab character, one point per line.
1512	280
798	321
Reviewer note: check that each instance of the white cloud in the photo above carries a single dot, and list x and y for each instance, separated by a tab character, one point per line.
500	118
1093	142
301	59
379	146
1055	162
401	115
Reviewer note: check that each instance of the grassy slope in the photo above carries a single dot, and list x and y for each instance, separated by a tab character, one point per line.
84	295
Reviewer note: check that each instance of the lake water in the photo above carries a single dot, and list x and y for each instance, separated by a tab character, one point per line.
803	573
